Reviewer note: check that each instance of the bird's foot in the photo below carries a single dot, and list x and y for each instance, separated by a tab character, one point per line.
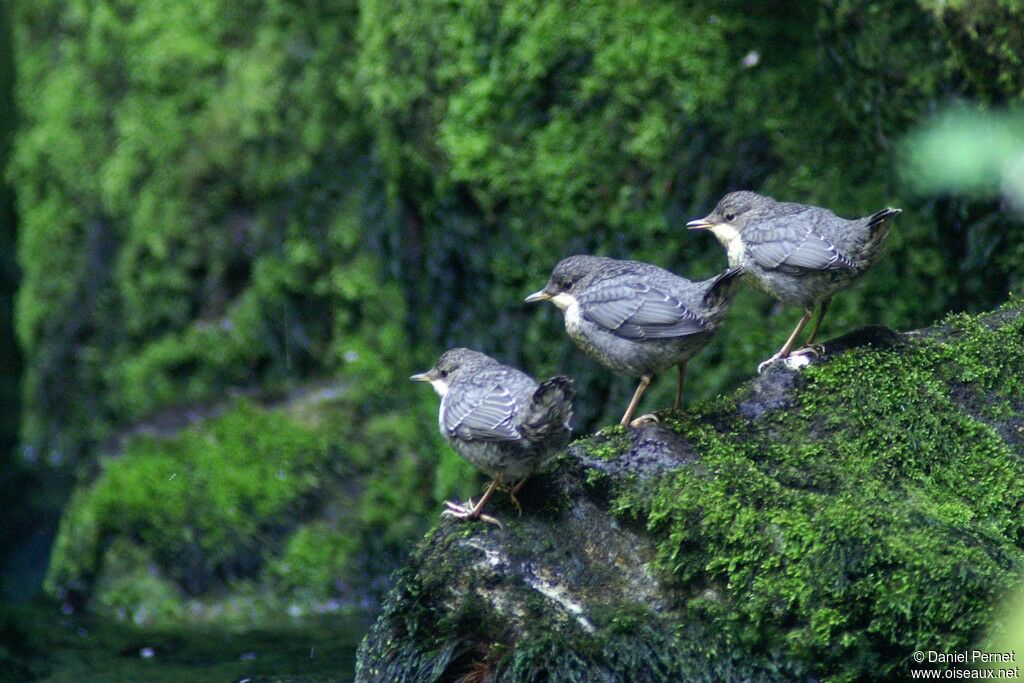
649	418
804	356
764	365
467	511
816	350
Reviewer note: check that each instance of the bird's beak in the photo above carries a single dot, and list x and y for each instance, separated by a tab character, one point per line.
427	376
700	224
542	295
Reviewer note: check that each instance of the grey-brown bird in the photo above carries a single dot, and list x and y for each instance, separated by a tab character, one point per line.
799	254
635	318
499	419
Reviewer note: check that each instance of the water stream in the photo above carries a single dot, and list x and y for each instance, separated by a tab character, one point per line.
38	643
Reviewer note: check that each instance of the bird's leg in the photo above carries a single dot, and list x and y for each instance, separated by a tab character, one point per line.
469	510
650	417
810	346
514	491
679	387
784	351
645	382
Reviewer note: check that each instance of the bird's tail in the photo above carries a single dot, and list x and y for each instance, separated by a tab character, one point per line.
722	289
550	411
878	227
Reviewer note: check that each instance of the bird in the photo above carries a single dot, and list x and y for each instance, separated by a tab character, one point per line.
499	419
635	318
797	253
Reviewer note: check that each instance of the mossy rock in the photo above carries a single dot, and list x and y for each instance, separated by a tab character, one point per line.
821	523
253	511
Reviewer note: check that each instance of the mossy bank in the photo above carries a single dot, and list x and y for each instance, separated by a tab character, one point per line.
818	524
245	511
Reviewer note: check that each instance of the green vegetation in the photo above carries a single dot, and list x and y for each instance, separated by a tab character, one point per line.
270	192
247	515
8	271
236	197
882	508
13	475
875	514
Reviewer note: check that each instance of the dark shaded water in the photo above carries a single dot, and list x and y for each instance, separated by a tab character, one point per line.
37	643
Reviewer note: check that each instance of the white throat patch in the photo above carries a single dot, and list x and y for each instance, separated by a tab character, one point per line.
563	300
729	236
725	232
440	386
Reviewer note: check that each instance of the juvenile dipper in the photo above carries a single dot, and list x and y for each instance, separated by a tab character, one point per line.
797	253
499	419
637	319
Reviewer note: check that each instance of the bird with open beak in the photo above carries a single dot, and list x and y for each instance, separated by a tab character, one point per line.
799	254
635	318
499	419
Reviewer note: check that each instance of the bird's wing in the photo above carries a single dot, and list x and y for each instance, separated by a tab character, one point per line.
482	410
793	248
634	309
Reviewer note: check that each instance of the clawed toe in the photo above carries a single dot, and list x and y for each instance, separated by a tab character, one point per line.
459	510
804	356
467	511
816	350
644	419
764	365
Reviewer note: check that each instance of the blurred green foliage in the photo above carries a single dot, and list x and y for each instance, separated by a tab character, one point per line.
218	196
9	357
253	513
980	153
15	476
986	45
1008	636
180	234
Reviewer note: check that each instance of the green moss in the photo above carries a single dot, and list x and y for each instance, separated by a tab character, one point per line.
607	444
643	647
185	266
316	559
876	513
985	41
131	587
245	516
201	503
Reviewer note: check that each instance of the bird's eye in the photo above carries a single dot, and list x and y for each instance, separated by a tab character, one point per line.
442	374
730	216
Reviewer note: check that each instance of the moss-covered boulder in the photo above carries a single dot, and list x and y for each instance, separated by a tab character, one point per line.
819	524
